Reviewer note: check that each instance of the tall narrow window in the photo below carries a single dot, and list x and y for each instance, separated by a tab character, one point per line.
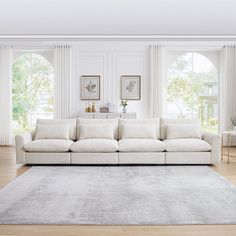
192	90
32	90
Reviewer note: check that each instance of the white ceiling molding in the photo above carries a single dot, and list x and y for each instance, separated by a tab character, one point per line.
118	37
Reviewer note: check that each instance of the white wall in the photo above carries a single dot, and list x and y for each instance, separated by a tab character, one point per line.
111	60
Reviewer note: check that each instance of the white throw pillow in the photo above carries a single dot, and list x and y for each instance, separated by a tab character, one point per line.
70	122
155	122
52	132
142	131
96	132
113	122
180	131
168	121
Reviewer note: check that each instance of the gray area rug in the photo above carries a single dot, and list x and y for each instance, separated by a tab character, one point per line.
118	195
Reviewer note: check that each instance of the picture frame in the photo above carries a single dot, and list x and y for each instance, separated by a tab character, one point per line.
130	87
90	87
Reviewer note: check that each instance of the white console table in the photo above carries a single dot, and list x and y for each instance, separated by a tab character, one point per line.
99	115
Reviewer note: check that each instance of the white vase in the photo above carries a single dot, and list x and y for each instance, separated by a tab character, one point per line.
124	110
234	128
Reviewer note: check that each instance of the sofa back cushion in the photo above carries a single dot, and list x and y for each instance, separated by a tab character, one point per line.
70	122
145	124
165	122
52	132
98	122
144	131
182	131
96	132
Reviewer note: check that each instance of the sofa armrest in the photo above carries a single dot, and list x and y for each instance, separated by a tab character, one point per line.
21	140
215	141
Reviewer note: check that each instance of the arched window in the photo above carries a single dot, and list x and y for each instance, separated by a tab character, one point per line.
192	90
32	89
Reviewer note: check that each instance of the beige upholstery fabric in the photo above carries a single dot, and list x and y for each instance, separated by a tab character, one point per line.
188	157
113	122
144	131
21	140
52	132
90	158
141	157
141	145
107	151
47	157
70	122
175	131
96	132
215	141
186	145
48	145
155	122
95	145
164	122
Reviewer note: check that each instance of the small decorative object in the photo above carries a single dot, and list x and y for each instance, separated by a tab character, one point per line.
124	104
104	109
131	87
86	108
90	87
93	107
111	107
233	120
89	108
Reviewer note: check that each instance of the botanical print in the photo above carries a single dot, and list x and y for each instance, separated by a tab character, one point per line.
90	87
130	87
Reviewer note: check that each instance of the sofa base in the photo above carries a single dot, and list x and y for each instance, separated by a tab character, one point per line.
94	158
119	158
188	157
47	158
142	158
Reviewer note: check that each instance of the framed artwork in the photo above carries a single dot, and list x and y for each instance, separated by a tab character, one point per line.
130	87
90	87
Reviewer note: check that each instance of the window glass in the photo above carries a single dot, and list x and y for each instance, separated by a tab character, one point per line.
32	90
192	90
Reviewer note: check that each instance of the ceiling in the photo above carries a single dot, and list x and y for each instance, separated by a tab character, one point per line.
117	17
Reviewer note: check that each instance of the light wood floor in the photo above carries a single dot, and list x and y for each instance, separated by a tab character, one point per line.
9	170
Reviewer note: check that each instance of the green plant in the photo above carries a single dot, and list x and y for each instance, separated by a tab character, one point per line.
124	103
233	120
32	88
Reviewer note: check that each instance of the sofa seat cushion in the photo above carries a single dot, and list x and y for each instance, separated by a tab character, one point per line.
141	145
95	145
186	145
48	145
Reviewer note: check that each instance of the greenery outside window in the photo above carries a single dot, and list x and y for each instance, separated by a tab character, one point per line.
192	90
32	90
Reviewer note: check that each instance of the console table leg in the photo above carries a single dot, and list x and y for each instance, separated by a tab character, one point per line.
228	147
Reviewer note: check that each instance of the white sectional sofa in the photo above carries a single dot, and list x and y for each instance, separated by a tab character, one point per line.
118	141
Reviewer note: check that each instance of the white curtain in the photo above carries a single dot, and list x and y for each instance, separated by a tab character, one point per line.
6	135
157	90
228	86
62	68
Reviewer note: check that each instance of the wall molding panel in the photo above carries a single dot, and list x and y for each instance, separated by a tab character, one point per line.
111	62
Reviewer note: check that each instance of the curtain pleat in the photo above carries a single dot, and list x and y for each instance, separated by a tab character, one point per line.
62	67
157	79
228	86
6	134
